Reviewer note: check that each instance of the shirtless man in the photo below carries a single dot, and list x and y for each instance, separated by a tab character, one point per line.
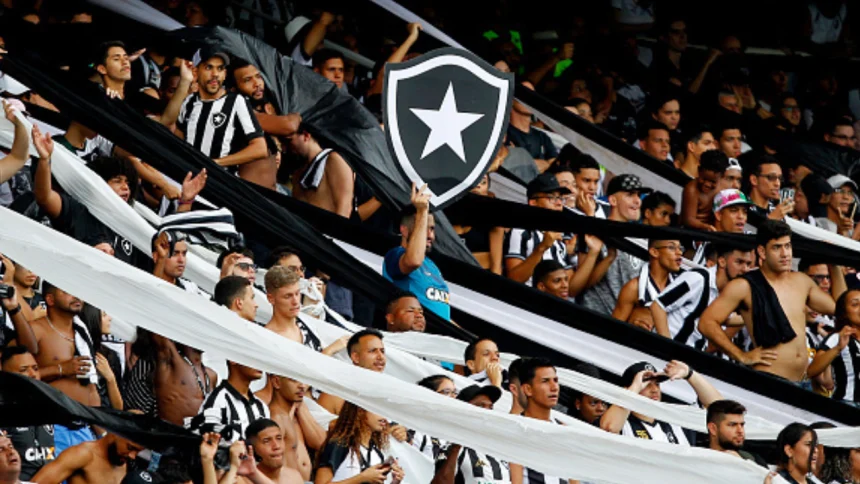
324	179
698	197
58	358
249	82
300	429
283	292
665	261
786	356
366	350
100	462
271	450
181	381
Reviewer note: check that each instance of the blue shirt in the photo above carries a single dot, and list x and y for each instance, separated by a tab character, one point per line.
425	282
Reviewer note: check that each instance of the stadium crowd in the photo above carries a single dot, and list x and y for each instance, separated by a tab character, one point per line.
713	118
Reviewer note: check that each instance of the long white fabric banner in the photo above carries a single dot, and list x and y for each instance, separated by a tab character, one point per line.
90	190
577	450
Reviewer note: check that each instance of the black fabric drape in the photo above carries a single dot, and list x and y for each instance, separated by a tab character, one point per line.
28	402
254	215
333	116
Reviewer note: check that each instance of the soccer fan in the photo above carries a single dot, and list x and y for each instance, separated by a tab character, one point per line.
329	64
104	461
772	302
219	123
520	133
404	313
726	430
663	266
765	182
324	179
839	351
654	139
454	466
587	177
34	444
266	439
408	266
839	208
482	362
300	430
249	81
366	350
699	141
698	195
551	277
796	445
644	379
658	209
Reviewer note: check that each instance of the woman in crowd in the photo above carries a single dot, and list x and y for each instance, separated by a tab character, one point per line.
355	451
796	452
838	348
106	360
427	445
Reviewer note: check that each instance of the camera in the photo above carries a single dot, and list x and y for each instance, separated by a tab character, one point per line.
6	291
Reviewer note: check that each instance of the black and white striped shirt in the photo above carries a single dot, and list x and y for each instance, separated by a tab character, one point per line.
218	127
235	409
520	243
476	468
684	300
845	368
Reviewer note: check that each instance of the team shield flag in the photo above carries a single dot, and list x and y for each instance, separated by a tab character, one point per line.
446	114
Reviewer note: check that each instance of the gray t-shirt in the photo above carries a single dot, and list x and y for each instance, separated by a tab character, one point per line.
604	295
520	163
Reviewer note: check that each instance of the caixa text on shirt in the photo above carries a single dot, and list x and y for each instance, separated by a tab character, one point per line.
436	294
39	454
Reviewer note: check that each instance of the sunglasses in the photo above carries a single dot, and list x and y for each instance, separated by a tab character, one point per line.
247	266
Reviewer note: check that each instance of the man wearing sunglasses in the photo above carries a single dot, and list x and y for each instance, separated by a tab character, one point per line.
841	207
765	182
644	379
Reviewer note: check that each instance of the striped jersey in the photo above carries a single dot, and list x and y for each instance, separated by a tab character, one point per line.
218	127
234	408
520	243
476	468
684	300
845	367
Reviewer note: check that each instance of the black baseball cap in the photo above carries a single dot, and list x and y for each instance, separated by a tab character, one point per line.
468	393
545	183
626	183
631	371
211	51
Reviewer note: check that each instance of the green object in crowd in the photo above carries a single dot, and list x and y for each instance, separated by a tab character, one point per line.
517	40
491	35
562	66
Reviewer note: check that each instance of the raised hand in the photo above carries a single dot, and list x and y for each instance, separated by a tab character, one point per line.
162	246
10	112
191	187
677	370
209	446
420	197
43	143
414	29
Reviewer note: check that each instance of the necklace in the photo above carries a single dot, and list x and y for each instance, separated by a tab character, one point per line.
70	340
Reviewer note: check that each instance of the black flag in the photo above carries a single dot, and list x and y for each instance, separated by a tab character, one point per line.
446	113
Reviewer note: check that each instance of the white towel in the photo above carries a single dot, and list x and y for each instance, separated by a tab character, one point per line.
84	347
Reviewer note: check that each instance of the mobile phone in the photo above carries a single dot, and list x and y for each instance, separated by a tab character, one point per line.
388	462
786	194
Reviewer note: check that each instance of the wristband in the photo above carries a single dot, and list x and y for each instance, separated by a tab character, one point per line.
15	311
60	367
689	374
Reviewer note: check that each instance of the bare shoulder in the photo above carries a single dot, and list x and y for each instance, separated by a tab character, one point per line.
632	286
336	162
739	287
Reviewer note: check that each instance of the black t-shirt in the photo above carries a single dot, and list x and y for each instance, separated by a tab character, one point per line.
78	223
35	445
537	143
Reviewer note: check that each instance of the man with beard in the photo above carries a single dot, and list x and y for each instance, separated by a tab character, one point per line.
772	302
101	462
250	83
726	432
216	122
300	429
408	266
270	449
644	379
65	358
663	266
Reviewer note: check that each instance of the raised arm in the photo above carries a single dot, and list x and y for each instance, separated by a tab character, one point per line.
521	270
316	35
279	125
587	263
678	370
397	56
824	357
447	470
48	199
66	464
171	111
14	309
15	160
613	420
602	267
416	247
819	301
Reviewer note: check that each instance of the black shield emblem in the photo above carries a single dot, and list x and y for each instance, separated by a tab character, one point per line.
218	119
445	113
